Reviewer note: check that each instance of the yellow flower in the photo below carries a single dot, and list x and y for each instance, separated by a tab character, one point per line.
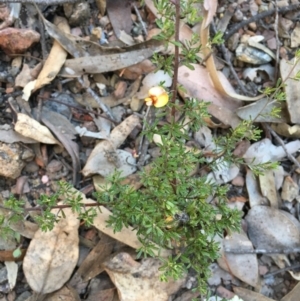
158	97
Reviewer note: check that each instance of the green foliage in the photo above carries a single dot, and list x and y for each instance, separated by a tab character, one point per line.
172	209
175	209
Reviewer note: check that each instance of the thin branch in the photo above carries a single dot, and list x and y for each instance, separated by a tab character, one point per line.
176	54
279	140
40	208
106	110
263	251
257	17
44	2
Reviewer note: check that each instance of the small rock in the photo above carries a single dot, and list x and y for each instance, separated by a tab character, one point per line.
13	158
136	104
54	166
118	112
238	16
290	189
253	26
17	40
252	55
238	181
121	87
31	167
262	269
233	41
78	13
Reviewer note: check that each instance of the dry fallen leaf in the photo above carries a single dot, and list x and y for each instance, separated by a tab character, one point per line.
268	188
56	57
210	64
105	158
30	128
135	279
264	151
242	266
52	256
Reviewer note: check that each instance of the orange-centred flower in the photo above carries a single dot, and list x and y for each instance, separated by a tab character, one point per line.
158	97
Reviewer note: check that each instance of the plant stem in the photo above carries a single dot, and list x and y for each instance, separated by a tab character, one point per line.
176	55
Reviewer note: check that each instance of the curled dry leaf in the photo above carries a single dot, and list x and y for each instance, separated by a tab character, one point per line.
56	58
210	64
135	279
198	84
242	266
52	256
105	151
270	228
30	128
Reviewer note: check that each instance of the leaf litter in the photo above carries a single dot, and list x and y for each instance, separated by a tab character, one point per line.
267	227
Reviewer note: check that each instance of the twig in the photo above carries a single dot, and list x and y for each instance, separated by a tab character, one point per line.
106	110
228	61
279	140
79	108
276	25
44	2
292	267
262	15
176	53
263	251
40	208
140	20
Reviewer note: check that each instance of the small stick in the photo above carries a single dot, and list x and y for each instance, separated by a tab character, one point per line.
176	54
44	2
279	140
106	110
276	25
140	20
292	267
257	17
263	251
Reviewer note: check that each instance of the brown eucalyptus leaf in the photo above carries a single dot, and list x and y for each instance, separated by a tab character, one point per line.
270	228
30	128
52	256
66	293
293	295
105	63
105	151
119	13
288	71
92	264
134	279
55	59
268	187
